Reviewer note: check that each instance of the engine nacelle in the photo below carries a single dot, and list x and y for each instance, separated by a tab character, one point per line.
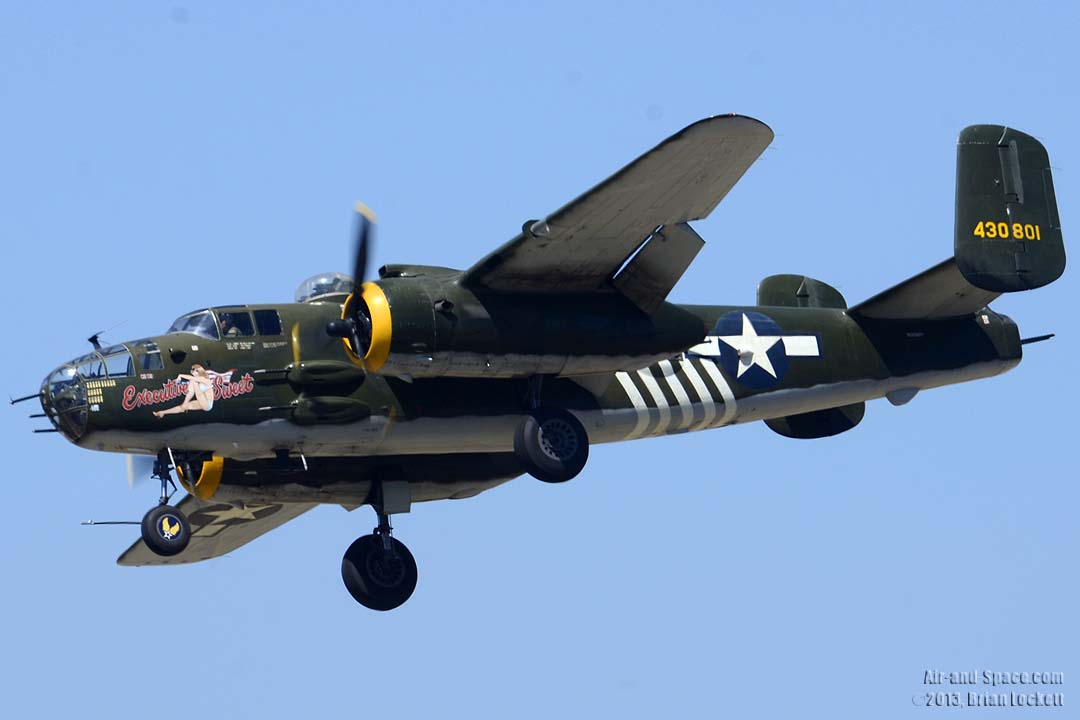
426	325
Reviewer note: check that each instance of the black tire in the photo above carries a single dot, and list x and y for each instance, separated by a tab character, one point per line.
375	578
551	444
166	530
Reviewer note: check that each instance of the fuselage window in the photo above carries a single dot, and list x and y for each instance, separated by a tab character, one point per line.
235	323
268	322
119	364
147	355
152	359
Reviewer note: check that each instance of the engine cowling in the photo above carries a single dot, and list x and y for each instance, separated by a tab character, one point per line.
427	326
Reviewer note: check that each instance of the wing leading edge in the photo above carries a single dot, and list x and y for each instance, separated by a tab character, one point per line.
580	247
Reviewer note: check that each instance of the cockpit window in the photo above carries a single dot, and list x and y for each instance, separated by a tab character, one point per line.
269	322
235	323
197	323
91	366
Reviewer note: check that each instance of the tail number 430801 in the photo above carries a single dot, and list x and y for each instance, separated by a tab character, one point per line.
1003	230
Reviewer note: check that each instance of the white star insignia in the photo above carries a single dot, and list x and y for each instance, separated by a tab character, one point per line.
233	513
753	349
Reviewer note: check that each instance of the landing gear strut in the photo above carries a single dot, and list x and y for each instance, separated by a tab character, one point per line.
378	570
165	530
549	442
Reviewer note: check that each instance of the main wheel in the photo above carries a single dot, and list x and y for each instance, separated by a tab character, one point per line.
378	579
166	530
551	444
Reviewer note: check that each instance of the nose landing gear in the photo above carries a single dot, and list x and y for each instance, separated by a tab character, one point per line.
165	529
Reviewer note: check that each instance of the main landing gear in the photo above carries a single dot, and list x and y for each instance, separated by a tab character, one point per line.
550	443
378	570
165	530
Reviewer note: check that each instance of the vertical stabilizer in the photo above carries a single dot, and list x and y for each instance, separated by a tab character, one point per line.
1008	233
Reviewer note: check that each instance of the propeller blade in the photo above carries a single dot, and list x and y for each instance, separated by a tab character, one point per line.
294	336
365	232
139	468
357	326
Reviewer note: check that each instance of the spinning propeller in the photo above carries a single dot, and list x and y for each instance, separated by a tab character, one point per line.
139	468
355	324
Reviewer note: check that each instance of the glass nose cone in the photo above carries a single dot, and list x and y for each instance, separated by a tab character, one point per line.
63	398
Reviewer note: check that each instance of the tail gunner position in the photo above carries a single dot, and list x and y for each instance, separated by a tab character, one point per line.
429	383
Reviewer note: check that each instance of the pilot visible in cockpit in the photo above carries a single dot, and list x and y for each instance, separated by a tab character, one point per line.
228	327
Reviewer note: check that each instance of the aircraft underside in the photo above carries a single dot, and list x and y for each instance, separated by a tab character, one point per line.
341	458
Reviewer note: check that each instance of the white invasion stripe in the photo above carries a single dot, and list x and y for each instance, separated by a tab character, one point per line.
680	393
639	404
801	346
725	391
703	392
710	347
658	398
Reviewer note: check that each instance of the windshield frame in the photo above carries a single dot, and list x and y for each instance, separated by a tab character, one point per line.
91	366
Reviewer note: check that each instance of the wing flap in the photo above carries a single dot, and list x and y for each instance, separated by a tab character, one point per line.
217	529
653	271
579	247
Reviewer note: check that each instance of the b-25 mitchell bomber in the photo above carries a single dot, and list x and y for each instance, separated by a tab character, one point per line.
428	383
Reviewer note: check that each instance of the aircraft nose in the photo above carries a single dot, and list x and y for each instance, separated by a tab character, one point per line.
63	398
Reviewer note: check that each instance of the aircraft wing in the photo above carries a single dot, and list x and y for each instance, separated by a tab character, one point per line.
217	529
580	247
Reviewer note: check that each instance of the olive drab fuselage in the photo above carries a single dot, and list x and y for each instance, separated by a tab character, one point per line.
302	391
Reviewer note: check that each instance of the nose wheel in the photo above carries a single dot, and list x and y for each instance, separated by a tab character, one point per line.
378	570
165	529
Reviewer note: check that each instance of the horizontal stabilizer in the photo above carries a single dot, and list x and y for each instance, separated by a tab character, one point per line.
938	293
1007	234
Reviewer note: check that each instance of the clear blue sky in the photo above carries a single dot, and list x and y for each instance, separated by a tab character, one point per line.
731	573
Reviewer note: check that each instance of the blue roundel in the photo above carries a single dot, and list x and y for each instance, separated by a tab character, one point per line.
751	349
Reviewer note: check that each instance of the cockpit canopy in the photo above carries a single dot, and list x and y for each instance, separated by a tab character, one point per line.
325	287
197	323
113	361
232	321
